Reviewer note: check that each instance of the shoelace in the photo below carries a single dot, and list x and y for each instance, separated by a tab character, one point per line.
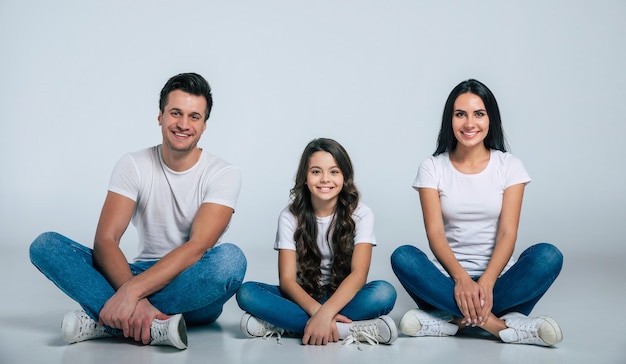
368	333
158	332
88	327
271	330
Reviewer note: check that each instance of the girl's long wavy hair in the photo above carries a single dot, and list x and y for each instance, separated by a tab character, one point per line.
340	235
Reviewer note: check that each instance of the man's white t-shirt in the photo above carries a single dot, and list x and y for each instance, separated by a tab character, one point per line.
471	204
167	201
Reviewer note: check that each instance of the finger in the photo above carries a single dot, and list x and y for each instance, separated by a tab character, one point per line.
145	332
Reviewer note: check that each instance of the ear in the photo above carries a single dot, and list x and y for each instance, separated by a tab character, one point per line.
159	118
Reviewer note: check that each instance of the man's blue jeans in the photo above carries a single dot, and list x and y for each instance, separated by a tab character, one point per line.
517	290
199	292
266	302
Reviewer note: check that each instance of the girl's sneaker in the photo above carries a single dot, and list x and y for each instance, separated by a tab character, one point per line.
255	327
381	330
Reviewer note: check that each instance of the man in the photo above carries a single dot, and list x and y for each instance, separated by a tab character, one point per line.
181	199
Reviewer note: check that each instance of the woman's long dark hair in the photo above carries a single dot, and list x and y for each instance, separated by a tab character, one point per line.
446	142
342	228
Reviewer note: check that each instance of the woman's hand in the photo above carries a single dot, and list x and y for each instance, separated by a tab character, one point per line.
470	298
487	302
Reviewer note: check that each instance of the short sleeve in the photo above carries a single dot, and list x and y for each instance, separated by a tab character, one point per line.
284	233
426	175
125	178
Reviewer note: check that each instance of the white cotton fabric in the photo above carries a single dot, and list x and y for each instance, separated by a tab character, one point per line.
364	233
471	204
167	201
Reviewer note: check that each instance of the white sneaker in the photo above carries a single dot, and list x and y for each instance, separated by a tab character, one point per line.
543	330
255	327
427	323
171	332
381	330
78	326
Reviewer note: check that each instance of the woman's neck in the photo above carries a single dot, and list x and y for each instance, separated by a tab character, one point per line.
470	161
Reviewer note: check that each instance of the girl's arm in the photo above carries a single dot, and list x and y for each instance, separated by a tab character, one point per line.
321	327
467	293
505	240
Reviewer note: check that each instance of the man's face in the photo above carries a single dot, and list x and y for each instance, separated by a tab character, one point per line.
182	121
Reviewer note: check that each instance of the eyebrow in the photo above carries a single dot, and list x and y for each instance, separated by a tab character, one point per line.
461	110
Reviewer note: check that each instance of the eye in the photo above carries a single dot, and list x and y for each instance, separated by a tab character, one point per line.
175	113
195	117
480	114
335	171
459	114
315	171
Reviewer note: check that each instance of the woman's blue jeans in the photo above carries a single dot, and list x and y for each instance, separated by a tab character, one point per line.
517	290
266	302
199	292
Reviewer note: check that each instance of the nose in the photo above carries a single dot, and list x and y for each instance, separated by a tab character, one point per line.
183	122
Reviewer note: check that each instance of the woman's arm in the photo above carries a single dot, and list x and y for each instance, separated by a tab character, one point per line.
467	293
505	240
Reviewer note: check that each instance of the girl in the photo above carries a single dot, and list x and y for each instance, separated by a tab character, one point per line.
471	195
324	241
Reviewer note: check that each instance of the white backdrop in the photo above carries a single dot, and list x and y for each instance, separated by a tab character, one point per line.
79	86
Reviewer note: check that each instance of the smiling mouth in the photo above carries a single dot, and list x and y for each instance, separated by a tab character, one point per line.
469	134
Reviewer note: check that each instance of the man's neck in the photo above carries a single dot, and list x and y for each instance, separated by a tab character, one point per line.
180	161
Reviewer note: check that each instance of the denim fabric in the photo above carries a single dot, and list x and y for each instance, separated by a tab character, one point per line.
199	292
266	302
517	290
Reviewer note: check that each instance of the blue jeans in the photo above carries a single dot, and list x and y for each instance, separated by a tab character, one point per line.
199	292
266	302
517	290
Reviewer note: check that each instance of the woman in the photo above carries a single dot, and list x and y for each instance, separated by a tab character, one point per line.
471	193
324	241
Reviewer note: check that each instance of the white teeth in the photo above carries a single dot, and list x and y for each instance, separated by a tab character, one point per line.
181	135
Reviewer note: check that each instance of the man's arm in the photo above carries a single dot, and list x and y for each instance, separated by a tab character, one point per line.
108	257
128	309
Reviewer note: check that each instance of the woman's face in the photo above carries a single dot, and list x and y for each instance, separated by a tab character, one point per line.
470	122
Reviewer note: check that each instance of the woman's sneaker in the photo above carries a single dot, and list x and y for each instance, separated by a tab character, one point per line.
543	330
381	330
78	326
255	327
427	323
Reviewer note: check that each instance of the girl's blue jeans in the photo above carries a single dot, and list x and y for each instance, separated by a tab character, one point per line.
517	290
267	303
199	292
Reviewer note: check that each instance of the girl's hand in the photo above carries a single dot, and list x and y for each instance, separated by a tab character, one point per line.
470	298
320	330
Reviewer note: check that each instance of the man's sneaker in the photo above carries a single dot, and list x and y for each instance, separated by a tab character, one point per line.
172	332
543	330
78	326
254	327
381	330
427	323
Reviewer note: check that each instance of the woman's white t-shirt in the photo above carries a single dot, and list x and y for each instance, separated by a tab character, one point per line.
471	204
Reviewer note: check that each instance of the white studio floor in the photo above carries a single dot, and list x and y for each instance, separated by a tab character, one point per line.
587	300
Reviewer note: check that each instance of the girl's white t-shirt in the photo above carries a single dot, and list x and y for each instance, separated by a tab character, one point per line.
364	233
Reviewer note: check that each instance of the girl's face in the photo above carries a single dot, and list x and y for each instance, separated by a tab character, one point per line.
324	180
470	122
